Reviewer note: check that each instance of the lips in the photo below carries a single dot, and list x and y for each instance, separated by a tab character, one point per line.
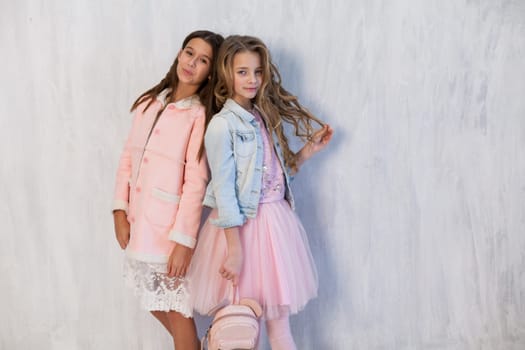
187	72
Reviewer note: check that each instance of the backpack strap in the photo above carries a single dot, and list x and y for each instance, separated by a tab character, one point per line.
234	294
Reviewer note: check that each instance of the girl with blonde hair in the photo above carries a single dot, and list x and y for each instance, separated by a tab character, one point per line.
253	240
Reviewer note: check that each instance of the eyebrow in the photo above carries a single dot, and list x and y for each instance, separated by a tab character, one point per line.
260	67
189	47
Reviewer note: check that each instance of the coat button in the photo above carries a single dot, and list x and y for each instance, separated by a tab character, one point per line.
132	219
156	132
138	189
145	160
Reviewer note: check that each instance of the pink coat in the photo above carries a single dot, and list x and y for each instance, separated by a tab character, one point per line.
160	182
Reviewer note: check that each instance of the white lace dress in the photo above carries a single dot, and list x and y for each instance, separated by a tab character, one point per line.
156	290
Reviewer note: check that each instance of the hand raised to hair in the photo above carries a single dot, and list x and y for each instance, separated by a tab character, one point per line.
320	139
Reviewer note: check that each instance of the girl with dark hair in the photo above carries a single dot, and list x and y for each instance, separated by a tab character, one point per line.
161	180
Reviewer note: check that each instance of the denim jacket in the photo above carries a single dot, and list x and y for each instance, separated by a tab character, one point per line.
234	149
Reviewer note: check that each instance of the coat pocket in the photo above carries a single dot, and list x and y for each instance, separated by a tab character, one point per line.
245	143
162	207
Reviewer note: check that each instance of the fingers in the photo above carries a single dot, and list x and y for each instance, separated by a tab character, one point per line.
225	273
327	135
230	275
122	228
175	270
172	267
179	261
181	272
123	243
320	134
326	132
122	239
322	137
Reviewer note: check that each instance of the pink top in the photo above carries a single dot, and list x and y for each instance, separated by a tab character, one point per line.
272	188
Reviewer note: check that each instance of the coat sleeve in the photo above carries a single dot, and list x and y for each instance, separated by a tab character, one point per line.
121	193
187	221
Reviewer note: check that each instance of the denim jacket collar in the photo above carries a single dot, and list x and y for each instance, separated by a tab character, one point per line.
234	107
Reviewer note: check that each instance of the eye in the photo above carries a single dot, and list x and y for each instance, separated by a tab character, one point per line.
241	72
204	61
259	72
188	52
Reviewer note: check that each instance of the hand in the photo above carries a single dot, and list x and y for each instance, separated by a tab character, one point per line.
122	229
231	269
179	260
317	142
320	139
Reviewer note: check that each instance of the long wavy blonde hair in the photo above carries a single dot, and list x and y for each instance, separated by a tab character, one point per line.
274	101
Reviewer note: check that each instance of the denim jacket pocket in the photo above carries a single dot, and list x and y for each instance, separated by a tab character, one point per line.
162	207
245	143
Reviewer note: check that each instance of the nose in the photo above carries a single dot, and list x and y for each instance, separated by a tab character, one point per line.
252	78
193	61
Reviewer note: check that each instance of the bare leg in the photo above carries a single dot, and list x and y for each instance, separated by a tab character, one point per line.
163	318
183	331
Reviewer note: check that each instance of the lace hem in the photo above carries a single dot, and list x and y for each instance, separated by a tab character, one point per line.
156	290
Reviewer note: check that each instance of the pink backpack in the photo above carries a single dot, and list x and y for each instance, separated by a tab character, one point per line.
235	326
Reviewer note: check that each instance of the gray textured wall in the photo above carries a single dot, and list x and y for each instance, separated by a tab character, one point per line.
415	213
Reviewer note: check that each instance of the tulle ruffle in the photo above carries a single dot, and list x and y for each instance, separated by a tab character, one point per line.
278	269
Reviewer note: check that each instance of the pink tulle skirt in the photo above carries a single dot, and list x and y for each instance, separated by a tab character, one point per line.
278	269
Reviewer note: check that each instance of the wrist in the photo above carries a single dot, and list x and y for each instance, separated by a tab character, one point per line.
308	149
234	248
303	155
181	249
232	237
235	256
121	217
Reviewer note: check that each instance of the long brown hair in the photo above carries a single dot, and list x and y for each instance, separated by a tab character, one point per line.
272	99
171	80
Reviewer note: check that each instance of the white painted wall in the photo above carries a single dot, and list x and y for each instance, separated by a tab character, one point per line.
415	213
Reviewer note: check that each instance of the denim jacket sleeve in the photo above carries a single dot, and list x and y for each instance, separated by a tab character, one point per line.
219	150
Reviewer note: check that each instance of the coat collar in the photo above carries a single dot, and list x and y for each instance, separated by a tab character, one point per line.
185	103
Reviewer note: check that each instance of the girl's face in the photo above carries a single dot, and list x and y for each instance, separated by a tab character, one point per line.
247	77
195	61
